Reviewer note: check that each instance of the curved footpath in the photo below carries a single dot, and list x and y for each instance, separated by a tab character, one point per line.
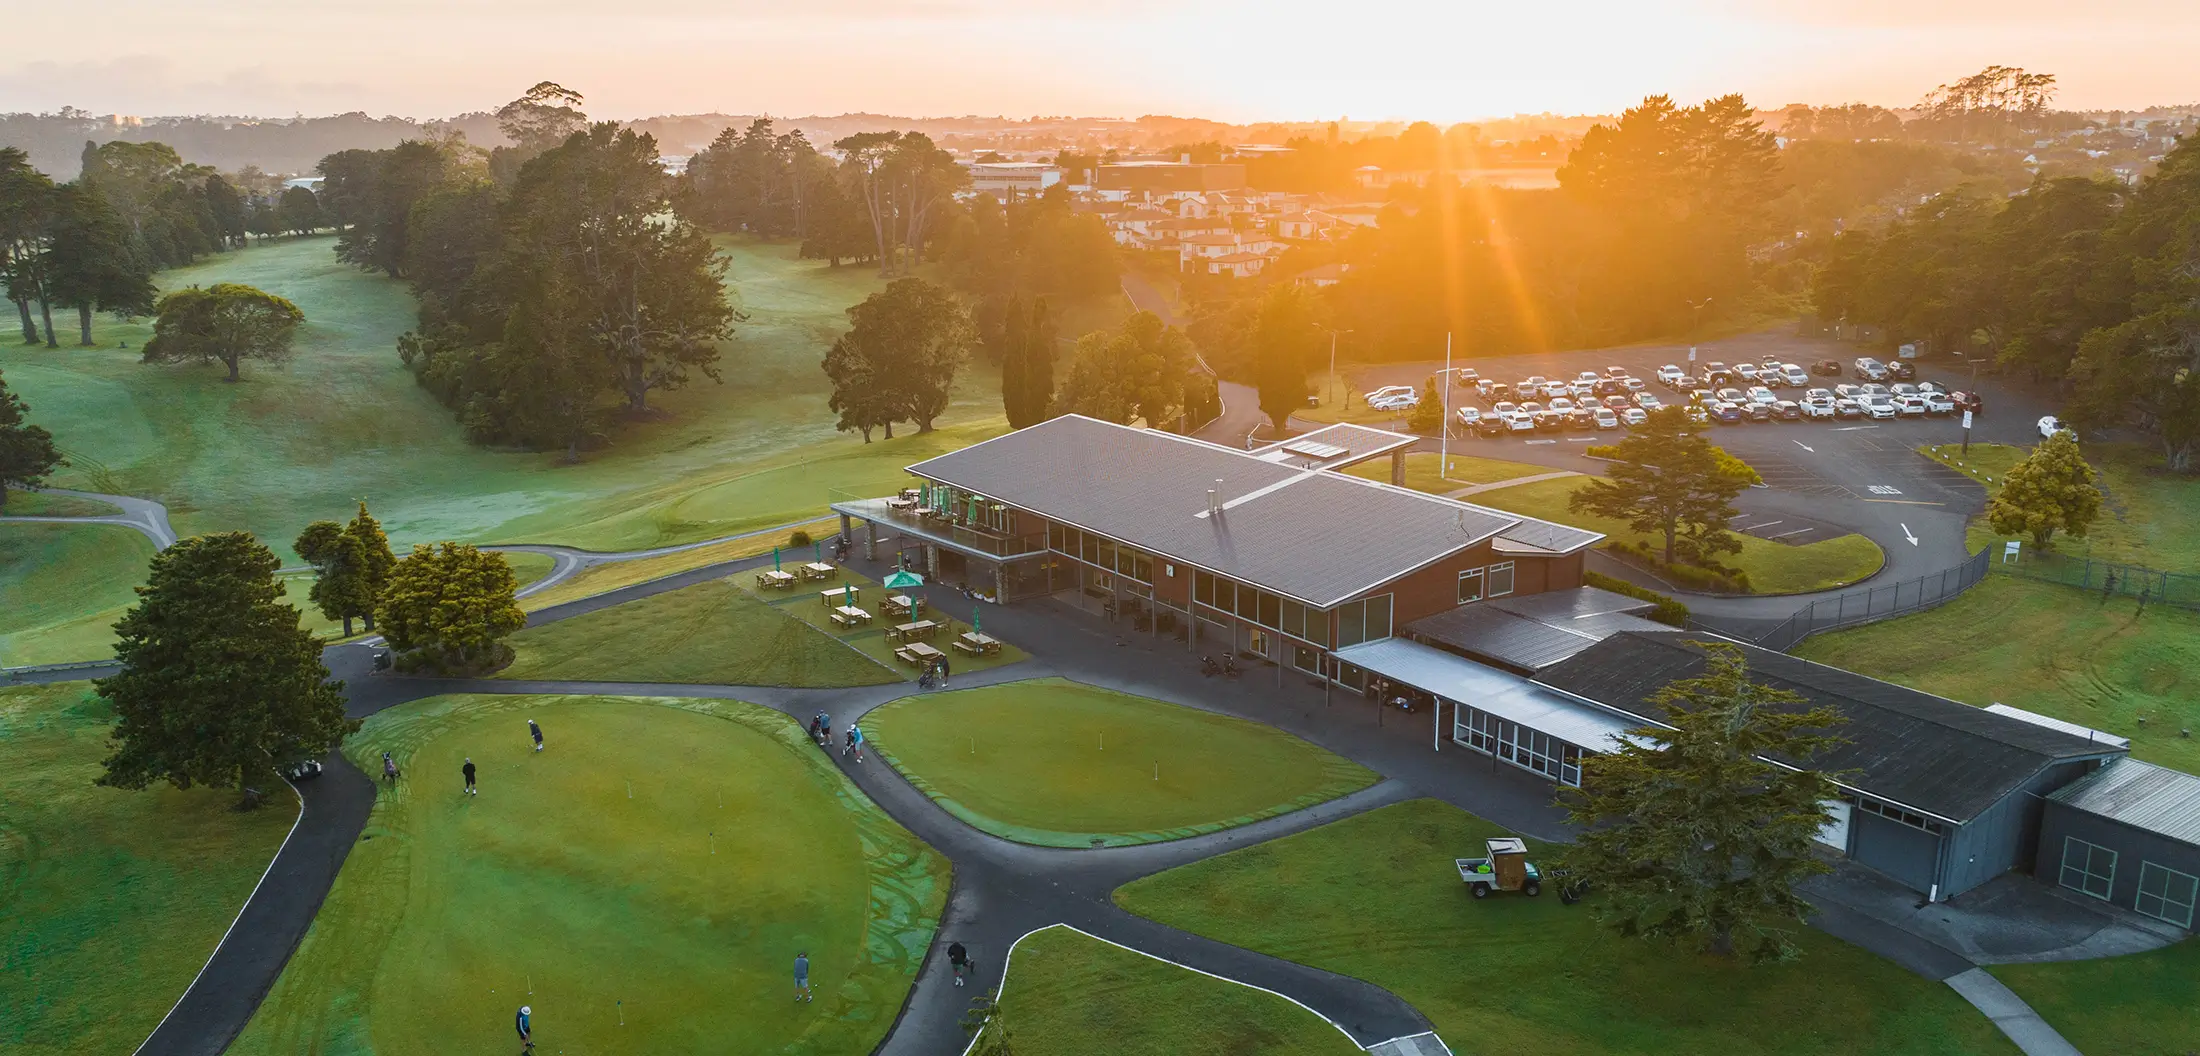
145	515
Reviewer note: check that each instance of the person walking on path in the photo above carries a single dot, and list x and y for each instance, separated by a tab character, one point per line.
525	1028
468	770
855	741
389	770
943	671
959	960
536	732
802	976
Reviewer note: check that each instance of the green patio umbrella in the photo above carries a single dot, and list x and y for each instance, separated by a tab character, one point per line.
974	629
902	579
817	551
775	559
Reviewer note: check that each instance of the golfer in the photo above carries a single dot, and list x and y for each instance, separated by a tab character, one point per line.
802	976
943	671
389	769
958	959
468	770
526	1031
855	742
535	732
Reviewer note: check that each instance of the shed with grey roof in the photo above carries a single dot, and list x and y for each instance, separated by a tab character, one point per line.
2128	833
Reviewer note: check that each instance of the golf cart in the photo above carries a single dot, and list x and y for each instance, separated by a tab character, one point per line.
1506	869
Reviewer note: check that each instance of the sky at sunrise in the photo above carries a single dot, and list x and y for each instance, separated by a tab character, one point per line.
1235	60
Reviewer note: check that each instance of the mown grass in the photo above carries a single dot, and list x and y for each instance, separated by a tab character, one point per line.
2146	1004
112	899
1423	473
1773	568
604	578
661	862
48	504
805	602
2047	648
1072	995
711	633
62	587
1062	764
299	442
2147	518
1376	897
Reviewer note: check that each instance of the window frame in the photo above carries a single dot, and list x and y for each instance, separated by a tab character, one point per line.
1512	577
1478	575
2162	901
2085	871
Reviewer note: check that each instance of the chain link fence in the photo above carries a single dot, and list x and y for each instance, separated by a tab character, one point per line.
1854	607
2150	585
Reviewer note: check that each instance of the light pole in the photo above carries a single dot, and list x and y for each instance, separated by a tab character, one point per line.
1695	313
1333	365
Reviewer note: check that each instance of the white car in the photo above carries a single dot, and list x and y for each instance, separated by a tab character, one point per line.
1590	376
1387	392
1633	416
1519	423
1818	406
1795	375
1470	416
1556	388
1744	371
1878	406
1406	402
1937	402
2050	425
1670	375
1762	394
1910	406
1606	419
1562	405
1648	402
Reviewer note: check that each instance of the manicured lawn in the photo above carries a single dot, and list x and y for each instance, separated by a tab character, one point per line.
805	603
1070	994
1059	764
1466	470
2147	517
604	578
1376	897
62	587
296	443
710	633
1774	568
2046	648
1348	404
47	504
112	899
663	861
2147	1004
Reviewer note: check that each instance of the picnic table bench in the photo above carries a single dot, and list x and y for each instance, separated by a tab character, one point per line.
774	579
912	631
898	605
977	644
818	570
837	596
918	653
901	503
849	616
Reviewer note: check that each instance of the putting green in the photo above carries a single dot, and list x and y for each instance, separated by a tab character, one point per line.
661	864
1058	764
110	901
1071	994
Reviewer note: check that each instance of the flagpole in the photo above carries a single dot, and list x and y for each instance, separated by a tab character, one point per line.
1443	442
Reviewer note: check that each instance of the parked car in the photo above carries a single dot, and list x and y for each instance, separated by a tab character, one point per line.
1745	372
2050	425
1469	417
1788	411
1634	416
1969	401
1869	369
1873	388
1493	425
1701	396
1504	407
1830	368
1819	406
1498	390
1878	406
1605	419
1846	390
1518	422
1716	373
1466	376
1902	388
1531	408
1757	412
1725	412
1938	403
1550	422
1924	387
1617	403
1688	381
1633	384
1581	418
1795	375
1393	398
1762	394
1696	414
1670	375
1902	369
1735	396
1648	402
1847	409
1556	388
1609	387
1562	405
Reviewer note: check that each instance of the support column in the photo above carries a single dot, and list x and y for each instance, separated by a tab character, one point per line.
1000	581
1436	725
931	562
870	540
847	529
1329	677
1398	467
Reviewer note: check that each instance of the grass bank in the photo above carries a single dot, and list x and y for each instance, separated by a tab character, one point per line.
711	633
113	899
1059	764
2147	517
62	587
1375	897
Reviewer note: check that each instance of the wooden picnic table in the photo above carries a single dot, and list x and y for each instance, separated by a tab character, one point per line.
977	644
914	630
849	616
837	596
899	605
901	503
918	653
818	570
774	579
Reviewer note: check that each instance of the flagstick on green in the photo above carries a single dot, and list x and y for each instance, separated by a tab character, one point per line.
622	1013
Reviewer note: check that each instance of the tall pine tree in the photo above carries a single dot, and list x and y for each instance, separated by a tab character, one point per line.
1027	362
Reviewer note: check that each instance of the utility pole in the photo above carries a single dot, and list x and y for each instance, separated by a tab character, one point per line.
1333	368
1443	433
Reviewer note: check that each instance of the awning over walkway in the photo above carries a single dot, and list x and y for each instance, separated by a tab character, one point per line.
1504	695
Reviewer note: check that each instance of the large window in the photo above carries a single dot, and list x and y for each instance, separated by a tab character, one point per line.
1363	621
1260	607
1470	585
2088	867
1525	748
2167	894
1501	579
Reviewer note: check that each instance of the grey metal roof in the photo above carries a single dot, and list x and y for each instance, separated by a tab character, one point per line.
2141	795
1532	640
1505	695
1580	602
1357	444
1928	753
1317	536
1532	535
2053	723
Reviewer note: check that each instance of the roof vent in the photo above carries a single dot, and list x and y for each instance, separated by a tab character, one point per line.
1214	497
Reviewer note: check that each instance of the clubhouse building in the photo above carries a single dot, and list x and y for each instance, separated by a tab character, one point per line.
1279	556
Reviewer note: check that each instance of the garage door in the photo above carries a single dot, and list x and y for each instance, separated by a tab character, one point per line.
1900	851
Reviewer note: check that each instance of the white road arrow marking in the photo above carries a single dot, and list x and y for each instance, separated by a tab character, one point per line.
1806	447
1910	535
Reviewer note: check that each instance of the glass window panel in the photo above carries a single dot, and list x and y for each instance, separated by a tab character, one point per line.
1294	619
1378	618
2167	894
1107	554
1271	610
1248	601
1225	595
1203	586
1350	624
1057	537
1501	579
1091	550
1470	585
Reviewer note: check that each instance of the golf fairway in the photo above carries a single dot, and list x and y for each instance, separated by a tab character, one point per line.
643	885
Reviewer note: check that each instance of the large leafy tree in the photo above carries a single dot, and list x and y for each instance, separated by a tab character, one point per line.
91	263
1142	370
2051	490
1668	480
862	397
299	212
377	197
353	563
450	606
219	683
225	323
1698	830
162	199
1285	339
27	453
1027	362
902	352
26	218
540	119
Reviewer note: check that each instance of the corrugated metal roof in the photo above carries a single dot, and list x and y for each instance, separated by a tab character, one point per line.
2053	723
1317	536
2141	795
1505	695
1552	605
1929	753
1532	631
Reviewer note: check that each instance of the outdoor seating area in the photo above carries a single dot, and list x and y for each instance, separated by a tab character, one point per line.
918	654
774	579
900	605
977	644
850	616
818	570
913	631
837	596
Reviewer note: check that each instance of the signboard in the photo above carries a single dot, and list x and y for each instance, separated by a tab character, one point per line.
1907	351
2009	551
1966	421
1691	353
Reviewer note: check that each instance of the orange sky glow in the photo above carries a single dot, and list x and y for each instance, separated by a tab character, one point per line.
1234	60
